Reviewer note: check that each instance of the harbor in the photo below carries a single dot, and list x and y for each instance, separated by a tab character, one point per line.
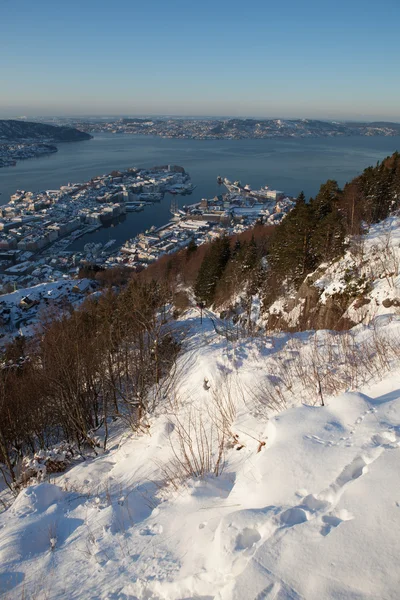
38	229
230	212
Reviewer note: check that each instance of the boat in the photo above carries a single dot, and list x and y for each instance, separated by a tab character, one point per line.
134	206
151	197
188	190
108	244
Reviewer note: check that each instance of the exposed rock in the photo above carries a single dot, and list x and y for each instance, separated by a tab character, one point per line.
312	314
361	302
388	302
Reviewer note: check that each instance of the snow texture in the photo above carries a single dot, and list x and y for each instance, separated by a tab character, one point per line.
306	504
306	507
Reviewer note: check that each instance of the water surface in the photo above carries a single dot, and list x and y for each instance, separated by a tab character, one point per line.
290	165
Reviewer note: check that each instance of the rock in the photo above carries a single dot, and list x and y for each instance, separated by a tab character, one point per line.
361	302
387	303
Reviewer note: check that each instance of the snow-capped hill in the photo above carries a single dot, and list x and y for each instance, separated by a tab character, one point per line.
12	130
353	289
238	485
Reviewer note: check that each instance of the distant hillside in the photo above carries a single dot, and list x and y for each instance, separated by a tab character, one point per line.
215	129
377	125
299	128
19	131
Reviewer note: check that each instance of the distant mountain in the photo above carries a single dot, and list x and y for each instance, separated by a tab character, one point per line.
297	128
21	131
236	128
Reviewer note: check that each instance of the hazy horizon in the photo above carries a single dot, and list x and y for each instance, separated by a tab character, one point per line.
102	116
292	60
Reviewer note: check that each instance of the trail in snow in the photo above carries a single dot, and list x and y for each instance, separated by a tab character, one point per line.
314	513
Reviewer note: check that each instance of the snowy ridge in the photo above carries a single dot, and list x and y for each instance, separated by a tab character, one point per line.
305	504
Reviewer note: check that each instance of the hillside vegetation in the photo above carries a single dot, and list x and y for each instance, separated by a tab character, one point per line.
107	356
19	131
271	263
222	425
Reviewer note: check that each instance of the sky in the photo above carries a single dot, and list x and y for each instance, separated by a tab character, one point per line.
288	58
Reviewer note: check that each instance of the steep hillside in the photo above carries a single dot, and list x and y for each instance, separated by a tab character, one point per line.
239	485
19	131
276	267
157	443
361	285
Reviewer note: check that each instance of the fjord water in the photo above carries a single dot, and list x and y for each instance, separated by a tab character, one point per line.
290	165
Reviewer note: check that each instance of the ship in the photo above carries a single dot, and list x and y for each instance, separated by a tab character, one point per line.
151	197
188	189
134	206
182	189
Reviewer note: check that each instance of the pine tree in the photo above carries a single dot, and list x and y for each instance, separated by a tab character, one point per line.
327	197
191	248
250	257
290	254
301	199
211	270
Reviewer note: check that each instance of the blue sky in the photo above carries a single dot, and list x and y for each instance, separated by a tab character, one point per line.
286	58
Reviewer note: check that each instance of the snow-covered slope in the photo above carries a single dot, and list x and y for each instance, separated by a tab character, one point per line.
306	504
354	289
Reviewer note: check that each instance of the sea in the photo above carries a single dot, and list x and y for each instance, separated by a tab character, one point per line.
290	165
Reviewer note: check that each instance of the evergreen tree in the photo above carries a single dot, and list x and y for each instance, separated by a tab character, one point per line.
301	199
327	197
211	270
236	248
328	237
250	257
290	254
191	248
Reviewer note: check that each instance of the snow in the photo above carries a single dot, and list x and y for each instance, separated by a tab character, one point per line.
368	274
307	505
43	295
374	256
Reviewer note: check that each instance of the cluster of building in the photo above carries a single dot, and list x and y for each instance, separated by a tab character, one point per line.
215	129
226	214
38	272
37	228
10	153
167	128
21	311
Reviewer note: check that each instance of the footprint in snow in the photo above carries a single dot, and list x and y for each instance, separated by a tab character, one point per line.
151	530
331	521
247	538
293	516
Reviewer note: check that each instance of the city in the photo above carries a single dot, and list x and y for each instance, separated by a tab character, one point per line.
36	230
234	129
11	153
200	301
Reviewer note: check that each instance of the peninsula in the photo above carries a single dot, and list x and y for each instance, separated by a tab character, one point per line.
23	139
